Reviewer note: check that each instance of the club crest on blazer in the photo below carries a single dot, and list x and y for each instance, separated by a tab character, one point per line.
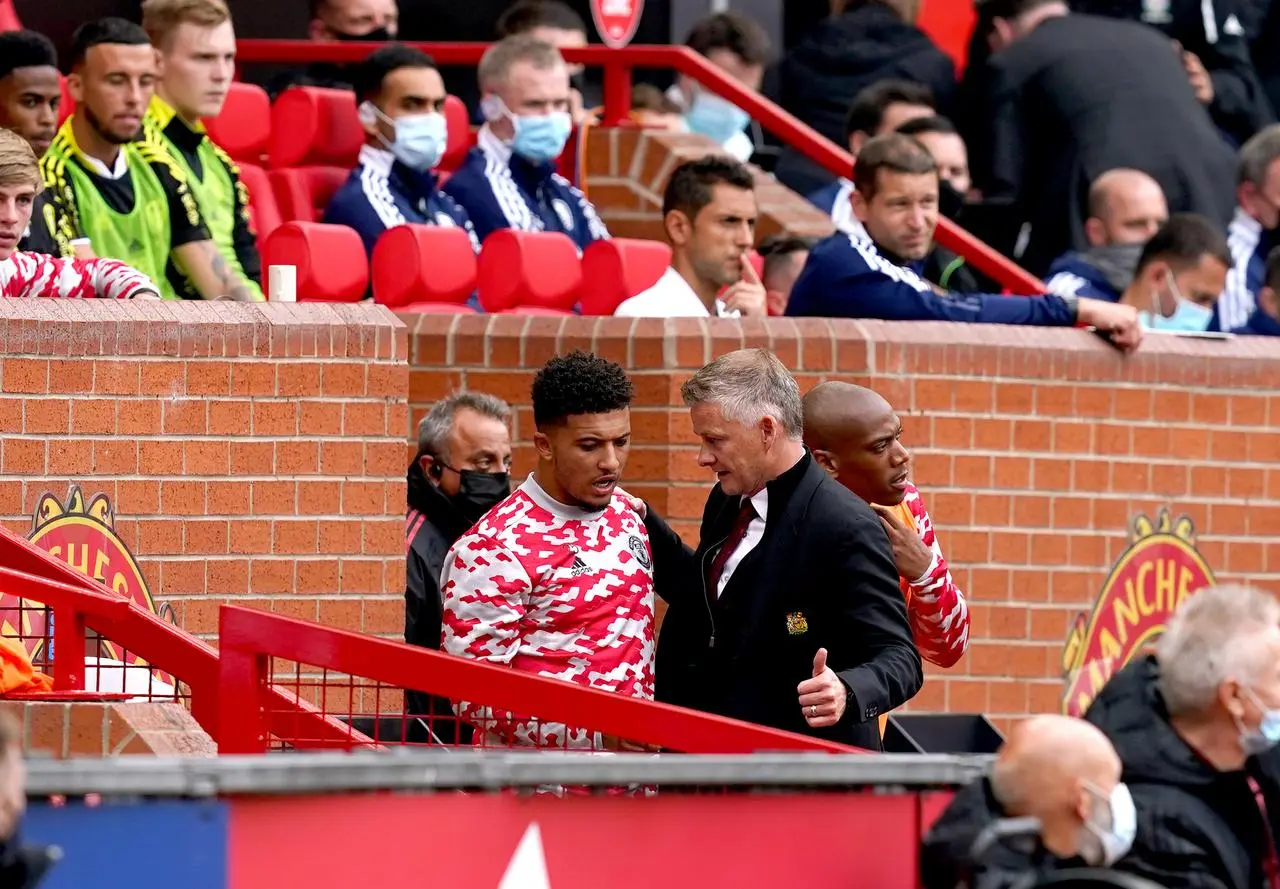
797	624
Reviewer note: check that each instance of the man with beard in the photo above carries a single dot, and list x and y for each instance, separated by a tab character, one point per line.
1126	207
459	474
128	197
709	213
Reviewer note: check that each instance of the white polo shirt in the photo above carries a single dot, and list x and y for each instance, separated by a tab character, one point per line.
670	297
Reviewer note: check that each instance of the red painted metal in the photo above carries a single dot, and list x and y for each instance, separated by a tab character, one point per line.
249	639
618	65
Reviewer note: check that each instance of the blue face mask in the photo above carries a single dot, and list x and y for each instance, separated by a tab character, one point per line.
420	139
540	138
716	118
1266	735
1188	317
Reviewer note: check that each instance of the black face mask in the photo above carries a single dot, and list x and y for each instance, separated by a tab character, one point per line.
480	492
377	35
950	201
578	81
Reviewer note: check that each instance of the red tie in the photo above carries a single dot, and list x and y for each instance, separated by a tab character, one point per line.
746	512
1270	859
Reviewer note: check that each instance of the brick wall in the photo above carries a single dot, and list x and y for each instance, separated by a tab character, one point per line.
252	454
1034	448
83	729
627	171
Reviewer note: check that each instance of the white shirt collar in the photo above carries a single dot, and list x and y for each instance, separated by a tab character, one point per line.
490	144
760	500
842	211
1245	223
539	495
119	171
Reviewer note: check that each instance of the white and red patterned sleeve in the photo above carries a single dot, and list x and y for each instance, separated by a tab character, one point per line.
39	275
486	591
938	612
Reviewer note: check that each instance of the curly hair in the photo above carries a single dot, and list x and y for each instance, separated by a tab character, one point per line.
579	383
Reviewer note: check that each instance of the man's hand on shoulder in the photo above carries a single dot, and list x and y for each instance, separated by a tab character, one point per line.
910	554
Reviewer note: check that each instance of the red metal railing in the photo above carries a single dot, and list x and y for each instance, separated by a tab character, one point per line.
617	65
357	679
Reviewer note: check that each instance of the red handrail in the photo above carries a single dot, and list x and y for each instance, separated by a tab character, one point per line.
617	65
247	639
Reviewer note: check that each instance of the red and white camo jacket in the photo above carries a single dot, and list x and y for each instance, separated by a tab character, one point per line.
554	591
35	274
936	608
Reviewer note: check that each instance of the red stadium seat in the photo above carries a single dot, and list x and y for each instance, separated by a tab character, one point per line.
424	268
67	105
243	128
303	193
9	20
618	269
315	141
330	260
537	270
460	137
263	208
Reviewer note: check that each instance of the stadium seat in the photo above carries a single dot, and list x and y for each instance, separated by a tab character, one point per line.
315	141
9	20
529	270
67	105
330	260
618	269
424	268
243	128
263	209
460	137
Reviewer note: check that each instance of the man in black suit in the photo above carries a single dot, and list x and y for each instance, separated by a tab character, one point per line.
1069	97
789	613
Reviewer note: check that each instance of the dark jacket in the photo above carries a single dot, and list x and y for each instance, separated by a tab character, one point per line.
820	77
432	526
1073	274
1198	828
24	866
1081	95
823	576
1259	324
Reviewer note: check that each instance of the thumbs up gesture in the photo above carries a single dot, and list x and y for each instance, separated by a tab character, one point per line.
822	698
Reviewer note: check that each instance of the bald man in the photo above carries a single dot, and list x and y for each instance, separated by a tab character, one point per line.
856	436
1126	207
1056	769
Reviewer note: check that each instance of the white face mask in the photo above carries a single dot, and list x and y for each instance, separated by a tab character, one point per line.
1109	836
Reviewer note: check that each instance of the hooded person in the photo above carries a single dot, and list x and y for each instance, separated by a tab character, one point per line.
461	471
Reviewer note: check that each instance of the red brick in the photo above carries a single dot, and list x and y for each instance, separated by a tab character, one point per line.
275	418
161	456
186	416
294	380
182	497
320	418
25	375
274	497
138	417
252	458
227	417
45	416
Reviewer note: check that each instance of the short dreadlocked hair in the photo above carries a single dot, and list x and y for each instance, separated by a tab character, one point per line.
579	383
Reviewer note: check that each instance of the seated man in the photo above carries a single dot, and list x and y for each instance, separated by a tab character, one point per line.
1196	728
709	214
509	179
1126	207
196	43
899	213
784	259
30	94
401	97
846	277
557	579
1056	769
1180	274
1265	320
129	198
857	438
1252	230
37	274
878	109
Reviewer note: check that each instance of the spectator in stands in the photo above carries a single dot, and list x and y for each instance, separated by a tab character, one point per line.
30	94
1055	121
196	42
1056	769
373	21
461	471
899	209
1196	726
37	274
856	436
522	587
401	97
30	91
558	24
1126	207
863	43
939	135
784	258
1265	320
1252	230
880	108
709	215
1180	274
847	277
739	47
1211	42
128	197
652	108
509	179
779	537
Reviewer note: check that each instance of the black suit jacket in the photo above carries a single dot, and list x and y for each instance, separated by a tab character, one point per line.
823	576
1081	95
